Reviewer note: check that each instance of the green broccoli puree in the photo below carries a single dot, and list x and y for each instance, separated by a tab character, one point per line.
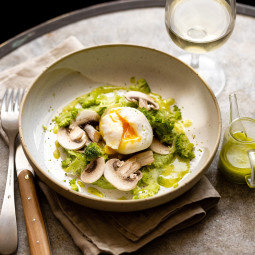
140	85
103	183
64	118
166	170
74	163
93	151
183	147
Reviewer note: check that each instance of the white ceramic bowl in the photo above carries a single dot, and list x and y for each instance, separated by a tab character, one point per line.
78	73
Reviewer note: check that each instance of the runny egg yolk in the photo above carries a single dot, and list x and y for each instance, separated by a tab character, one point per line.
129	133
125	130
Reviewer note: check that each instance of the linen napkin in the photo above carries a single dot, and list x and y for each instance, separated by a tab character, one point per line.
22	75
94	231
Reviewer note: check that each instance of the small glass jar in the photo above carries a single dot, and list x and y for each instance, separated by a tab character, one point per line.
239	139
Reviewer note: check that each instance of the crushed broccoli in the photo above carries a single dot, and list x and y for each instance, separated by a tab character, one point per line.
93	98
183	147
103	183
166	126
132	79
161	124
74	163
177	113
162	160
140	85
89	100
93	151
64	118
147	186
98	100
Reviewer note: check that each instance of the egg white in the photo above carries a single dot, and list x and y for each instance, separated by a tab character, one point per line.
126	130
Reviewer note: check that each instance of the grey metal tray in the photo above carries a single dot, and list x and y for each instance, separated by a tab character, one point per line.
89	12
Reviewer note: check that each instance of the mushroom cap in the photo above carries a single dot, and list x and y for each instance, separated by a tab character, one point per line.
68	139
142	98
158	147
85	116
93	171
114	176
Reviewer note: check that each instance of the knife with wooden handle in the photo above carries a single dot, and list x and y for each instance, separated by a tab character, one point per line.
36	231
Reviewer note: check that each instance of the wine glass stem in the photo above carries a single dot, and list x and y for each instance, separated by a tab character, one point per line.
194	60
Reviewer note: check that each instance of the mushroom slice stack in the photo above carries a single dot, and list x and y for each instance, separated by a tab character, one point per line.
143	158
85	118
92	133
144	100
93	171
74	137
124	175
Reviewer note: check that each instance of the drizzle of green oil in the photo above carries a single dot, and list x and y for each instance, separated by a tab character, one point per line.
74	187
56	153
55	129
71	105
173	173
81	184
168	170
132	80
122	198
44	128
95	192
242	137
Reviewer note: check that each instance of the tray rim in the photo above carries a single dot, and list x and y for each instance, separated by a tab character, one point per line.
88	12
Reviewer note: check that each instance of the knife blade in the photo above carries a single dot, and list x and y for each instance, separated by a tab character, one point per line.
21	161
36	231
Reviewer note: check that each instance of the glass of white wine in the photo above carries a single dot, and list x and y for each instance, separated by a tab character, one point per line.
199	26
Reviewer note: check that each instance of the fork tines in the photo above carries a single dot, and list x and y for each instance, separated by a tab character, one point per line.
12	99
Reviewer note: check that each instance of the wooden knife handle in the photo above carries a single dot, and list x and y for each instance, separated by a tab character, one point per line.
36	231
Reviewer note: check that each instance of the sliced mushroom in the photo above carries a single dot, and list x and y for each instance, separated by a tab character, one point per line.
93	134
93	171
76	133
158	147
88	142
143	103
144	100
129	168
143	159
122	175
84	117
71	138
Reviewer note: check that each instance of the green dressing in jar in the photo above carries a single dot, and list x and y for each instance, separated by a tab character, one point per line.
234	161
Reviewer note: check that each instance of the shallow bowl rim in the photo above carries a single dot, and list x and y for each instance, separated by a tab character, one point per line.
203	168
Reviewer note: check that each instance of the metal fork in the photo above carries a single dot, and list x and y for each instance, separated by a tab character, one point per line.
9	117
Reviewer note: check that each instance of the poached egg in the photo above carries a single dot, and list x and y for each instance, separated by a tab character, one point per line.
126	130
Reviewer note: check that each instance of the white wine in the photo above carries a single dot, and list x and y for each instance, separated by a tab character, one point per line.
199	25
